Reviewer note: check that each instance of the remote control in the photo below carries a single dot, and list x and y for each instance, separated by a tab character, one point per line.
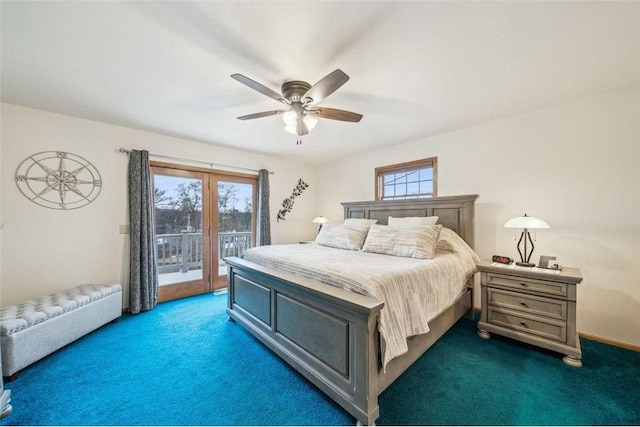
501	259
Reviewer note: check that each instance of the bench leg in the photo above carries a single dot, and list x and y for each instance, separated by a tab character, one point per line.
10	378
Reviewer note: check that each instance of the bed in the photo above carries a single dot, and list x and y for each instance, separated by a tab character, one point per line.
331	335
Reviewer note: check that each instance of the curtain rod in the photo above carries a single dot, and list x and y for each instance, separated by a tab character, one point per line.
211	165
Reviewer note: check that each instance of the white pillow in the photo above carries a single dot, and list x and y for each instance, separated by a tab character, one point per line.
413	221
342	237
414	242
358	222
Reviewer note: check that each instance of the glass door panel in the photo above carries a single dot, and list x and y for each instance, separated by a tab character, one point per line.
236	198
182	249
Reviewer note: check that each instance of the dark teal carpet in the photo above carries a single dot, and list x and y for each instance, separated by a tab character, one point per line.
184	363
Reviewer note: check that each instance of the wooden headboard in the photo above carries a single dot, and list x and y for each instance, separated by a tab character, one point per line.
454	212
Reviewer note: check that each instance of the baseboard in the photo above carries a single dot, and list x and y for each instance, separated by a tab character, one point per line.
610	342
477	311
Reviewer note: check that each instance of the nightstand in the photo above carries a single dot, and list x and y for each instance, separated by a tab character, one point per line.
532	305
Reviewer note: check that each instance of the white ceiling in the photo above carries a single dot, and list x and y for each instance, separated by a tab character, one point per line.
417	68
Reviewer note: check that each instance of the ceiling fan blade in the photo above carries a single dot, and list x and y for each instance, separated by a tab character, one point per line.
258	87
263	114
325	87
335	114
301	127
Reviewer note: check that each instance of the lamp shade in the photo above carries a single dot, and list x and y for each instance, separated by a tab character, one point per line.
320	220
526	222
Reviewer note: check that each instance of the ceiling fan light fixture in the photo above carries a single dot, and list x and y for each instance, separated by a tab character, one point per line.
291	128
290	118
310	121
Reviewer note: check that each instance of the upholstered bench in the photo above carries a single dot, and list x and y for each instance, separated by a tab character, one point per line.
36	328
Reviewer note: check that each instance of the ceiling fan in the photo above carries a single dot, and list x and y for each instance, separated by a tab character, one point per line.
301	99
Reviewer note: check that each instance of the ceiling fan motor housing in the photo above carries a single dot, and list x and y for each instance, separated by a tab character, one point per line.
294	90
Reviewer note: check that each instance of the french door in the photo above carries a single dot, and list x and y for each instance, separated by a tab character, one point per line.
201	216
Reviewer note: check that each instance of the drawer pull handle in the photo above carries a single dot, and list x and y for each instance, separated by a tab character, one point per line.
522	303
523	285
524	325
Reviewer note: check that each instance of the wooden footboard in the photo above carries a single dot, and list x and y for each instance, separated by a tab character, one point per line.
327	334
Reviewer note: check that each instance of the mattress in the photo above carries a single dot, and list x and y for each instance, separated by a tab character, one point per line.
414	291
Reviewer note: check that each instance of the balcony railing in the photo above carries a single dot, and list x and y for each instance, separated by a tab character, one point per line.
234	243
182	252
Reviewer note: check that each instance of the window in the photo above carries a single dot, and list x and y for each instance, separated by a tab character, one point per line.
411	180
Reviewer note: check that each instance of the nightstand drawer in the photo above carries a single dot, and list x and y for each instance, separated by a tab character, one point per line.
528	303
528	285
547	328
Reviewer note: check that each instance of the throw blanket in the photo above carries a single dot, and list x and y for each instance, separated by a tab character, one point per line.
414	290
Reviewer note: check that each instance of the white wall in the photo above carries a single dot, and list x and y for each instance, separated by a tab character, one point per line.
46	250
574	165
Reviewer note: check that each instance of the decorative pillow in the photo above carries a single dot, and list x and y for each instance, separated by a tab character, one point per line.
414	242
413	221
351	222
342	237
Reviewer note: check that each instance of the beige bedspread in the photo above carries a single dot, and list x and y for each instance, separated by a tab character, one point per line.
413	290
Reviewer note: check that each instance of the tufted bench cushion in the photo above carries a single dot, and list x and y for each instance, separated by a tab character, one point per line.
35	328
17	317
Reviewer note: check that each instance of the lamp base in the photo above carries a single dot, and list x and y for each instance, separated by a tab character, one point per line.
525	264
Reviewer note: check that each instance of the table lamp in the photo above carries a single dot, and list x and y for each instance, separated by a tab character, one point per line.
525	223
320	220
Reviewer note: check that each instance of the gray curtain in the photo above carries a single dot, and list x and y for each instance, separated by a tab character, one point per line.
264	220
143	278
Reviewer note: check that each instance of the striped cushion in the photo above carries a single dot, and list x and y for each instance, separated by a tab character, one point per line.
414	242
342	237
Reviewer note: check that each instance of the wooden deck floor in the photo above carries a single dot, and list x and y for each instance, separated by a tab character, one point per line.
173	278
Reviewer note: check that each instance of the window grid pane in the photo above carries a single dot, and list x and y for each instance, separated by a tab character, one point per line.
412	189
407	184
426	174
389	190
426	187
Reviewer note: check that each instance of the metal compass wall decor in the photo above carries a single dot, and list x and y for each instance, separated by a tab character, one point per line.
58	180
